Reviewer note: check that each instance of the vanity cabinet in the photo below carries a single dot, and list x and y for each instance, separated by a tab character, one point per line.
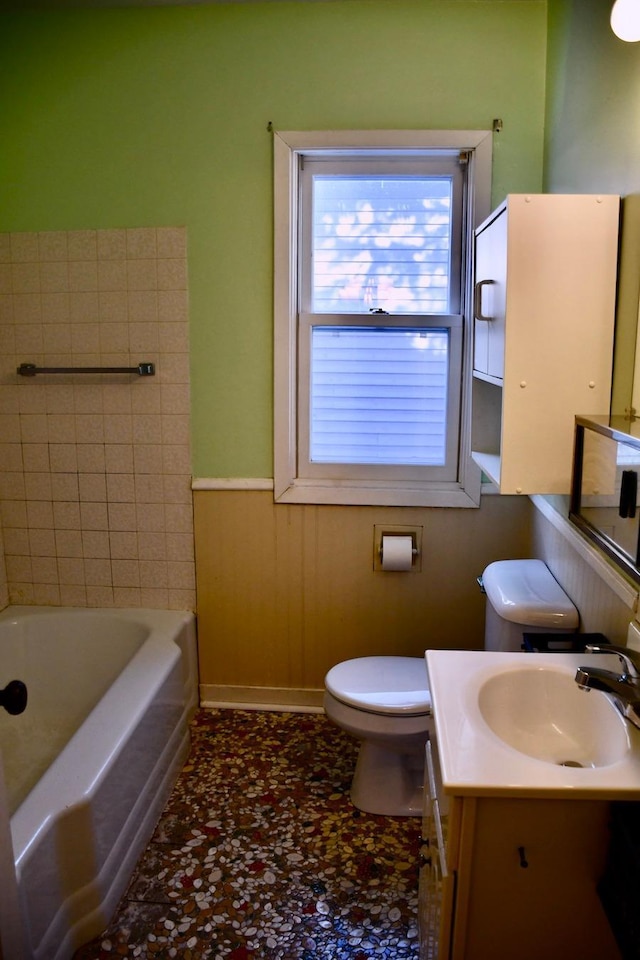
544	304
519	880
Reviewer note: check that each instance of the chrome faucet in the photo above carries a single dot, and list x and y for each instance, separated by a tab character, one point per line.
624	687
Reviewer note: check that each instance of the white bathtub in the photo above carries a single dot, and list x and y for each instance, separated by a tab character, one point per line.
90	763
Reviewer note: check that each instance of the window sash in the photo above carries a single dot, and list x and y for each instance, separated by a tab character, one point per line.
446	165
448	470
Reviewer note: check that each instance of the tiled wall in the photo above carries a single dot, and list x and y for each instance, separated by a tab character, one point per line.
4	589
95	474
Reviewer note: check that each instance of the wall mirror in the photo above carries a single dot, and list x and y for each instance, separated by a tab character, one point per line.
625	395
606	468
604	495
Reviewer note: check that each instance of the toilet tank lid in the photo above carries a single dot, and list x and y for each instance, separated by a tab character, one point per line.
525	591
395	685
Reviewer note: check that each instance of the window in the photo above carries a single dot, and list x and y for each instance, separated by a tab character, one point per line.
371	367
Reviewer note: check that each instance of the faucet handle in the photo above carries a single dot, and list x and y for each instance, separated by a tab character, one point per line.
629	658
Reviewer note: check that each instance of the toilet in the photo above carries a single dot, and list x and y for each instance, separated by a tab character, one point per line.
385	703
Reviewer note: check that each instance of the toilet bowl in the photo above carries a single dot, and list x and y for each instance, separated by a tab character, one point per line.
385	702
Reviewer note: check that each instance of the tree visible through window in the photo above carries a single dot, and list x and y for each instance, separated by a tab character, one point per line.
382	243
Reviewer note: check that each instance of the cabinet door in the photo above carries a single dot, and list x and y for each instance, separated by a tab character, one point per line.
490	298
531	880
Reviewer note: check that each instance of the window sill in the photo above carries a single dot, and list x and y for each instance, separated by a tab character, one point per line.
379	494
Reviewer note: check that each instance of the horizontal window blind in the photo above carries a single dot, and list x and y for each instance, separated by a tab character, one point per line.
381	243
379	395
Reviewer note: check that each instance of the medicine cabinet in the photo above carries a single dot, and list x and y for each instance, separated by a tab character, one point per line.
544	307
604	495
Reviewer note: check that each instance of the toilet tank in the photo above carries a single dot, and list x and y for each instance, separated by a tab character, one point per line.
523	596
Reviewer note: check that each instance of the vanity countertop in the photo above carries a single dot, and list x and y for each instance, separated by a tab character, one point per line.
475	761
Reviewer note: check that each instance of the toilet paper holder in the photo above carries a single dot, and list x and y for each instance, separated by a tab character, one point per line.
384	530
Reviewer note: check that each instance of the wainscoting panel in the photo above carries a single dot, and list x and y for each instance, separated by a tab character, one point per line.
286	591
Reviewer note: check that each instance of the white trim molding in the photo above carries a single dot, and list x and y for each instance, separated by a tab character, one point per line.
289	487
232	483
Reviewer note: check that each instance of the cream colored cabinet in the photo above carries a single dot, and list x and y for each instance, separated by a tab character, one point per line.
544	305
521	882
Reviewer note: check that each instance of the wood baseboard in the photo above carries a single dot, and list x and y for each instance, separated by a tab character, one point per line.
283	699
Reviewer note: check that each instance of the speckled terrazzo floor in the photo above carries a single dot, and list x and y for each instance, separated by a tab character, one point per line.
260	854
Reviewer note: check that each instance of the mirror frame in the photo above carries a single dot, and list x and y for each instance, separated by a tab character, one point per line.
617	430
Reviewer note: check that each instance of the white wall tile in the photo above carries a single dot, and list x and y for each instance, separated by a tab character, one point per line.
112	244
172	242
64	487
16	541
95	544
82	244
141	243
100	596
5	248
24	246
111	275
83	275
123	545
71	571
68	543
53	246
46	594
95	485
54	277
97	572
32	400
91	458
42	543
67	515
73	596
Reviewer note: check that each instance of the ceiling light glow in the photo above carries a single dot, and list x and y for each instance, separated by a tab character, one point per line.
625	20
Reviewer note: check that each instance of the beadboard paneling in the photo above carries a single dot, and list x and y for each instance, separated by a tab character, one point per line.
286	591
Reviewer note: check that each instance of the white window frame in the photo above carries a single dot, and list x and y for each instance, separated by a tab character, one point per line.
289	487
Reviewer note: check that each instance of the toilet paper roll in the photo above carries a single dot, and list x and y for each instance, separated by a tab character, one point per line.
397	553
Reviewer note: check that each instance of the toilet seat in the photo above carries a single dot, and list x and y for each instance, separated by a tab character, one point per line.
396	686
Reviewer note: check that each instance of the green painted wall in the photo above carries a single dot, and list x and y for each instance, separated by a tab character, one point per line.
592	137
135	117
592	145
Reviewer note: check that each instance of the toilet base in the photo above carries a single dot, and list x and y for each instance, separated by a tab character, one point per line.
388	783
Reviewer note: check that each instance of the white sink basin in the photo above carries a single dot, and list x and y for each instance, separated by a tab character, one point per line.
507	723
543	713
